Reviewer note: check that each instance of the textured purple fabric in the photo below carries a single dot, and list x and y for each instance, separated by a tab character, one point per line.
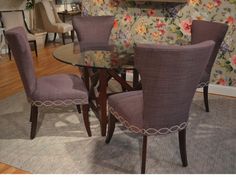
19	45
49	88
129	105
203	31
93	29
170	75
60	87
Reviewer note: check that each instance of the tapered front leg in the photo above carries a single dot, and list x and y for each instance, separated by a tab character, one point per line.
205	94
182	147
34	120
144	155
85	109
111	127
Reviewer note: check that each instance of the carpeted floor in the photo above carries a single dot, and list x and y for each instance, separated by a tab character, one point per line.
62	146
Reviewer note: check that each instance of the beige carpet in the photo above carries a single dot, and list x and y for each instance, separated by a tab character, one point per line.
62	146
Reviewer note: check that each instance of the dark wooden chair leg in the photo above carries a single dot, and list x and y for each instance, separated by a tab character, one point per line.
182	147
63	38
34	120
72	35
205	94
46	39
144	155
78	108
35	48
111	128
85	109
9	52
123	75
55	36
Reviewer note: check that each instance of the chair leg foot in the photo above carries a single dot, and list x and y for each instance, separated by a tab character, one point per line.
144	155
34	120
111	128
35	48
72	35
182	147
55	36
46	39
78	108
85	109
9	52
205	94
63	38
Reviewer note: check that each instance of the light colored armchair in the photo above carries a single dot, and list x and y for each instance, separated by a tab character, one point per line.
51	21
16	18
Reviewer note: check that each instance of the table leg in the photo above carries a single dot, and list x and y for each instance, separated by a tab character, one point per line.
103	100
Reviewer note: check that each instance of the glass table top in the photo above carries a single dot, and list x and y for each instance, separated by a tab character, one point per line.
94	56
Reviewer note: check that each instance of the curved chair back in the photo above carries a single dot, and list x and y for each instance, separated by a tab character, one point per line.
49	15
169	76
93	29
18	42
203	31
12	19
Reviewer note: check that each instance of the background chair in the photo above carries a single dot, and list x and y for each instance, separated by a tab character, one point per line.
54	90
162	107
12	19
51	21
203	31
93	30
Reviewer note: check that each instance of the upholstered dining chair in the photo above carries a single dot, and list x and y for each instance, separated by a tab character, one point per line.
12	19
203	31
93	30
52	22
170	75
54	90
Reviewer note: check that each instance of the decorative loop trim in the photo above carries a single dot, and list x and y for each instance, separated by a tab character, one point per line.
203	84
67	102
149	131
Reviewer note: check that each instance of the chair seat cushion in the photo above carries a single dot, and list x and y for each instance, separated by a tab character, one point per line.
62	89
128	108
63	27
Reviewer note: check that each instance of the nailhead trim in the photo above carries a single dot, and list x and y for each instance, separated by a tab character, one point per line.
149	131
67	102
203	84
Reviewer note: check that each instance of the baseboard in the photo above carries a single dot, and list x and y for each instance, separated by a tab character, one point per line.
213	89
221	90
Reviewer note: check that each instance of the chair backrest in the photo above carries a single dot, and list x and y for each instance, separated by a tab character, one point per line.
12	19
169	76
203	31
48	14
19	45
93	29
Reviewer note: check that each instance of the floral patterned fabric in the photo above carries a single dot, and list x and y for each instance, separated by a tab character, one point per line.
171	24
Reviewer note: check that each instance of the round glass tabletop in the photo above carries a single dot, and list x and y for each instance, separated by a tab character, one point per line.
94	56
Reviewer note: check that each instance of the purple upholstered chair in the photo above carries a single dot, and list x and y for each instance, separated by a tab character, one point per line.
170	75
54	90
203	31
93	30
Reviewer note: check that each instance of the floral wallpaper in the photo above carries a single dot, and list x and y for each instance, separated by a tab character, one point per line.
170	24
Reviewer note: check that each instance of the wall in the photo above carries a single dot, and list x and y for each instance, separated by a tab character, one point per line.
157	23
